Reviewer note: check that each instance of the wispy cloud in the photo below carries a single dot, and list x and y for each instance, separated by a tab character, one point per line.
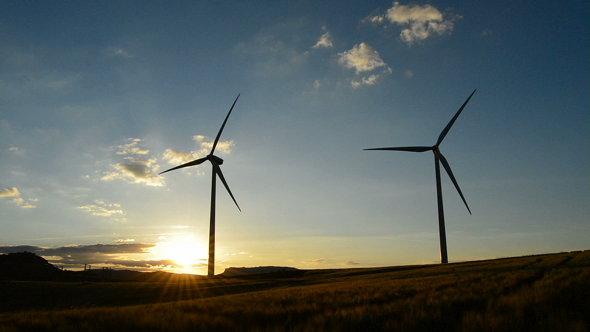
103	209
418	22
351	263
16	150
278	50
325	41
132	147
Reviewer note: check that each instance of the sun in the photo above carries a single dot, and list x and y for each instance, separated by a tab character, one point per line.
184	251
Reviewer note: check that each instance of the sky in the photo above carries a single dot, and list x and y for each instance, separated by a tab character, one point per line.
98	97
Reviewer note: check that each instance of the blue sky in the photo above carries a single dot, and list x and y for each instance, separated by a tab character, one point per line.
96	98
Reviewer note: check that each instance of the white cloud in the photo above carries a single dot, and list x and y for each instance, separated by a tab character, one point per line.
15	150
114	51
317	84
361	57
121	52
418	22
324	41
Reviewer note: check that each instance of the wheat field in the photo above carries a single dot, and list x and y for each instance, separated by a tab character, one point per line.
531	293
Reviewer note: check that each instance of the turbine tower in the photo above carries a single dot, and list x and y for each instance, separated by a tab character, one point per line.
215	162
438	159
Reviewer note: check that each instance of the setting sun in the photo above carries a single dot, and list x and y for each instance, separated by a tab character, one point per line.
184	251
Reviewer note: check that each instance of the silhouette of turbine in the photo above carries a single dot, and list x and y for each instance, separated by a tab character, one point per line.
439	158
215	162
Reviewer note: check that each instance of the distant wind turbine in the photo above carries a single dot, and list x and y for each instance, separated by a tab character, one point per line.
438	157
215	162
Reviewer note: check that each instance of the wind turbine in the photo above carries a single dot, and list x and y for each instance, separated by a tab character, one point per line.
215	162
439	158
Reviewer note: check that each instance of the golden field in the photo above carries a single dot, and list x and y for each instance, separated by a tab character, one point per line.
531	293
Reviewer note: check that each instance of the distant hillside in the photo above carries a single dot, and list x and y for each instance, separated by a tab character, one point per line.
27	266
277	271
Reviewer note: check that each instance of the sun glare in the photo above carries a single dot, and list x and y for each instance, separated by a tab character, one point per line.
184	251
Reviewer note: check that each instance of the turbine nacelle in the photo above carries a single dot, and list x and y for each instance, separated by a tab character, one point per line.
215	159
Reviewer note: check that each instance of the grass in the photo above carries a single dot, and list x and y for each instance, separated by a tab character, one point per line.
532	293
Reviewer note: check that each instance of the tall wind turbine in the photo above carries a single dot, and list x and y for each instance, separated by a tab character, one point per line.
215	162
439	158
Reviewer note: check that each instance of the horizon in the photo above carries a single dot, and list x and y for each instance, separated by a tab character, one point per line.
97	99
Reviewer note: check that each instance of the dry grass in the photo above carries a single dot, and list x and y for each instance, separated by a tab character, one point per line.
534	293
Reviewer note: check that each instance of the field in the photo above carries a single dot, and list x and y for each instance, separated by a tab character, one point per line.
531	293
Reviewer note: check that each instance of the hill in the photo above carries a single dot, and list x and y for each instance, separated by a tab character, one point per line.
27	266
531	293
277	271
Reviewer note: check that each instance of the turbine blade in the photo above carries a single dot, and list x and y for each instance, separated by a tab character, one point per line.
406	148
450	173
448	127
190	163
223	125
217	170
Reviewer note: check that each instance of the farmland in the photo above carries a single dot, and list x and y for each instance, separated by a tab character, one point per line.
531	293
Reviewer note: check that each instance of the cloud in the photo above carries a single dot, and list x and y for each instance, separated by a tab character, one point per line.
325	41
371	80
318	261
132	148
104	210
114	51
121	52
9	192
13	192
361	57
351	263
178	158
15	150
128	255
135	170
418	22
